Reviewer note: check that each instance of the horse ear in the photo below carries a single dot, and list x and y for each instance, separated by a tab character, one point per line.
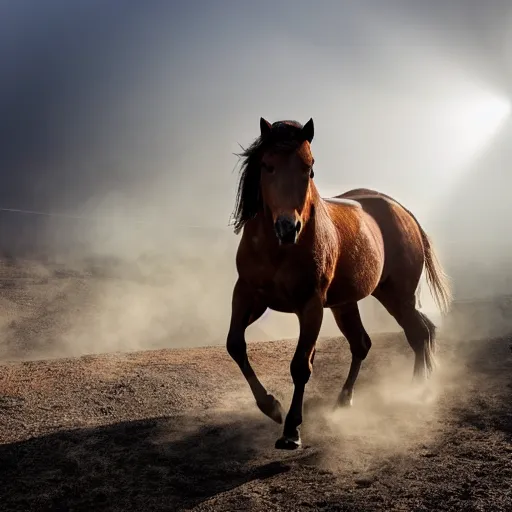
265	127
308	131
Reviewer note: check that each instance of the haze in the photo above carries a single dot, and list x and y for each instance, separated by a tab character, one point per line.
129	115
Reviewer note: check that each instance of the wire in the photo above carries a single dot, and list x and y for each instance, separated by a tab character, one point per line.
95	219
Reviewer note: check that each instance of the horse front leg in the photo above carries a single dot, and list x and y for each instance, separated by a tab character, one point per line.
245	310
310	321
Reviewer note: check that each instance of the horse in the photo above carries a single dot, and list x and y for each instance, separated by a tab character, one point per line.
300	253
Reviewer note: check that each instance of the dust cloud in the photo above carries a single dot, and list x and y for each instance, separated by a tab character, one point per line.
121	294
391	416
138	164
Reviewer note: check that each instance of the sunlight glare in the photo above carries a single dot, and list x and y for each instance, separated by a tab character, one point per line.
474	121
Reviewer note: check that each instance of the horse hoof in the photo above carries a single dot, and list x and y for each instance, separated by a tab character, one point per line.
286	443
272	408
344	401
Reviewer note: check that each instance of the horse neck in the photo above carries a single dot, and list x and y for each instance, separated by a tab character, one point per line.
314	206
317	217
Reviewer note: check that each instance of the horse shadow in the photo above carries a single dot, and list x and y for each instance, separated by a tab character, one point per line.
152	464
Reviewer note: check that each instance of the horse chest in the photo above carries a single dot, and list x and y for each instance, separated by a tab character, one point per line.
283	287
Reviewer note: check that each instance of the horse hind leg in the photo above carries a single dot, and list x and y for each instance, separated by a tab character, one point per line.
420	333
419	330
349	322
430	360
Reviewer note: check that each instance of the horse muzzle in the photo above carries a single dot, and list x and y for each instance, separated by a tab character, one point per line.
287	230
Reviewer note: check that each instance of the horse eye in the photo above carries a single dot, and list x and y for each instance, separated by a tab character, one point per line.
268	168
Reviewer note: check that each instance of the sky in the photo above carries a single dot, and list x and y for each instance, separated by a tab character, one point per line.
135	110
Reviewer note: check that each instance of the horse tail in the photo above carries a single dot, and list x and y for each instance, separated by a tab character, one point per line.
439	285
437	280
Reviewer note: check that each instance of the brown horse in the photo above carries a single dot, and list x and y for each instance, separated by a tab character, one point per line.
300	253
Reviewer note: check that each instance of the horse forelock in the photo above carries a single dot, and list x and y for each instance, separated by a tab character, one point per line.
287	125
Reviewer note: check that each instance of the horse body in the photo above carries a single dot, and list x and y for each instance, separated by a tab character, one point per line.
301	254
359	245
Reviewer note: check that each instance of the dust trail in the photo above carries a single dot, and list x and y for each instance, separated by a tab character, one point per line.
388	419
392	419
106	304
392	422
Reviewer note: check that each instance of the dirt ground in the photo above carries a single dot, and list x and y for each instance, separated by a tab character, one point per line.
178	430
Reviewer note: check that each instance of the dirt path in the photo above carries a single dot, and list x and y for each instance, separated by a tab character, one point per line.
177	430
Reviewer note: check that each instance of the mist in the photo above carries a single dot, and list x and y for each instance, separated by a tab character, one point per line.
119	125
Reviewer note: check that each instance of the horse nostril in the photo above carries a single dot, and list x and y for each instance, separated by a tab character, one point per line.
298	226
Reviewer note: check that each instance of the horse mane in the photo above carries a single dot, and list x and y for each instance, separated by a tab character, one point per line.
282	138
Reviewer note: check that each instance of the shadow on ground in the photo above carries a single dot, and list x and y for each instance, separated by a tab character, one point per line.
155	464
